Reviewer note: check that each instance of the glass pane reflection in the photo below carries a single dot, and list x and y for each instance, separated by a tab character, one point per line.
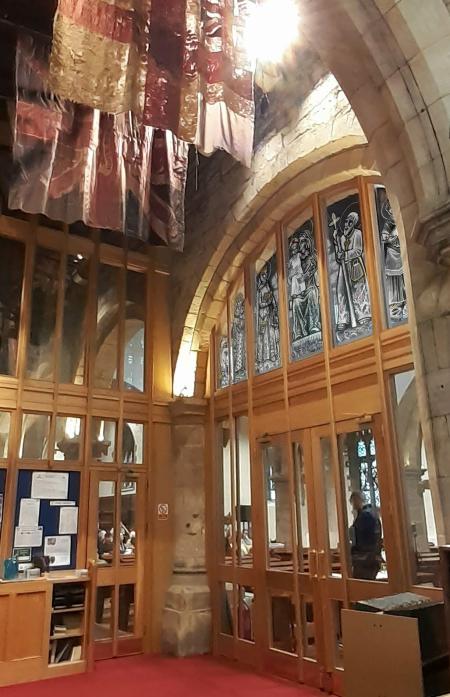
226	601
103	439
126	609
331	508
360	475
104	615
278	506
40	352
5	423
302	507
134	352
308	627
34	438
246	613
107	331
244	492
225	491
72	356
132	443
11	280
128	500
421	490
106	521
68	434
283	624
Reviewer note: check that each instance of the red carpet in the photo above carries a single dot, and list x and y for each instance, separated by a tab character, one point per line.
142	676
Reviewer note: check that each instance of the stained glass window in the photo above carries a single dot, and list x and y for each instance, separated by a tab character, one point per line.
238	338
224	363
305	326
266	314
222	353
393	279
349	288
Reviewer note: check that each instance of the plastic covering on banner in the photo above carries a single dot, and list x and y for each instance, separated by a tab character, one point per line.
75	163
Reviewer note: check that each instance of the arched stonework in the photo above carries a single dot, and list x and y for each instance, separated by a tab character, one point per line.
392	61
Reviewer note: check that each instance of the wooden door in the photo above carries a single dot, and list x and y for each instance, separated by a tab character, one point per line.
116	539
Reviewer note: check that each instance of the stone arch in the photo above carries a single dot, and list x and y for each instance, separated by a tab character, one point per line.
392	60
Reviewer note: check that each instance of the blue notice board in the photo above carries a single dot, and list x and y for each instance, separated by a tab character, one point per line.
48	515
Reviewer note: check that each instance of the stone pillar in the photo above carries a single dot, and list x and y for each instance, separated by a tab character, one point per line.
429	263
186	625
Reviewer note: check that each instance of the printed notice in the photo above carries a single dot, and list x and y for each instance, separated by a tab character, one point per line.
28	537
50	485
58	549
29	513
68	520
62	503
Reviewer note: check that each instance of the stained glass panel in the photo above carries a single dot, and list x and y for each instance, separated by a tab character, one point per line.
305	327
266	314
349	289
393	279
238	338
223	354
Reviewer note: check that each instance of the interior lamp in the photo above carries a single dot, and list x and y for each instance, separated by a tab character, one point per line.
272	28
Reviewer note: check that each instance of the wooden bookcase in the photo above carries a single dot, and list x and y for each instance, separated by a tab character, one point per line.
47	627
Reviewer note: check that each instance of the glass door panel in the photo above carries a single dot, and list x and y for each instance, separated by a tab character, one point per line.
278	506
243	493
117	508
106	522
362	512
301	502
331	511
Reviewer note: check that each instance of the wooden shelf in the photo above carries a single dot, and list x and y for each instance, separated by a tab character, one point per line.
60	610
68	634
66	663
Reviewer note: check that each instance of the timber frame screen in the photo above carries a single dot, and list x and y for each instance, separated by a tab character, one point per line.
76	397
314	381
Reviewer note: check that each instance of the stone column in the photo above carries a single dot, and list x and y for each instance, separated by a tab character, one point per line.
186	625
429	262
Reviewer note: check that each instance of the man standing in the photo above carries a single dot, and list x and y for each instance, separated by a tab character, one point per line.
366	539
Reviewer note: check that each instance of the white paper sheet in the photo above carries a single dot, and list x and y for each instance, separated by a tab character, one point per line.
29	513
50	485
68	520
28	537
63	503
57	547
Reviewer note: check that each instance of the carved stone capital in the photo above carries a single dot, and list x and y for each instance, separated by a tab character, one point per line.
434	234
188	410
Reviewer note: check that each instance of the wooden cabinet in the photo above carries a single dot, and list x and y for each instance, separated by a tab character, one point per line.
38	623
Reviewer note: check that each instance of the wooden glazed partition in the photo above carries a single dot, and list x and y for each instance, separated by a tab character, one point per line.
99	379
281	563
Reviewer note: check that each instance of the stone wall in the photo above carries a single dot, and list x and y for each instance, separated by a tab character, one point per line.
224	196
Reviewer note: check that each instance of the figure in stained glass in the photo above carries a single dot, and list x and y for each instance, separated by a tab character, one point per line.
238	343
391	258
350	288
224	365
303	292
267	319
